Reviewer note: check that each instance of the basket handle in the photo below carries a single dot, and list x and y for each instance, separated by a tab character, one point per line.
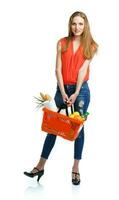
64	106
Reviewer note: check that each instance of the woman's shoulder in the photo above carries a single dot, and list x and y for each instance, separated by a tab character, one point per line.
62	40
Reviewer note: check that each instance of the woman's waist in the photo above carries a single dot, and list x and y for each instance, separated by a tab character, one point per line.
72	80
73	85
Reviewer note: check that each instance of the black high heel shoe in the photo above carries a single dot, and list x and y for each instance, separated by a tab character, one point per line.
76	180
39	173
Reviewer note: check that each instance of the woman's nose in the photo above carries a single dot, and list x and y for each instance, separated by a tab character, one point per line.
77	26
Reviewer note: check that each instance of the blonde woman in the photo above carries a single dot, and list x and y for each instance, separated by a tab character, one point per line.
74	54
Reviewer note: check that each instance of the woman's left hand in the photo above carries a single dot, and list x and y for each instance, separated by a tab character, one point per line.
72	99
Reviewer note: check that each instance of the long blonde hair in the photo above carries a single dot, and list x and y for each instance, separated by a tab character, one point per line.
86	39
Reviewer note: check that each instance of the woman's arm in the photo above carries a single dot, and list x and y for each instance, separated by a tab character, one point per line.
58	72
81	76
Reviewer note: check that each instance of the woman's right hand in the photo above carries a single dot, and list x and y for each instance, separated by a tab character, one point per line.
65	97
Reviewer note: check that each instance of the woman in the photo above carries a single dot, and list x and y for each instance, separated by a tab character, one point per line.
74	54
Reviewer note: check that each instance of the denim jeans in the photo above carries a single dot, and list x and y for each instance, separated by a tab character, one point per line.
80	105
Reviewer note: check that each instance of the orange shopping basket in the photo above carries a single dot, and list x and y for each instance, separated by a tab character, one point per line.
60	124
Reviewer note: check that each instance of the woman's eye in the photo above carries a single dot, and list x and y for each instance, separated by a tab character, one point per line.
80	24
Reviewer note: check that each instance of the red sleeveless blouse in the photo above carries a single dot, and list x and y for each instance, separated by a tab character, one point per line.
71	63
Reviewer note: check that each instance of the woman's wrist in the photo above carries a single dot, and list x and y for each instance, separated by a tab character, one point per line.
63	94
76	92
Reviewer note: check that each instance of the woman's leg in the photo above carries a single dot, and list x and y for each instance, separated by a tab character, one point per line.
50	138
47	148
78	148
81	105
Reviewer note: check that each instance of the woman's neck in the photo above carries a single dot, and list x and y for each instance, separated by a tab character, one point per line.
76	38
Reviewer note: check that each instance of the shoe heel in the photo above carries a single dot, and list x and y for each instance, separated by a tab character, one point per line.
39	176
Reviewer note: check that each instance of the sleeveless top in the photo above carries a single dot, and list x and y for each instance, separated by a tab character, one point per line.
72	62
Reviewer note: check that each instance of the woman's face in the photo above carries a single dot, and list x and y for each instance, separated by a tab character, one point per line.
77	26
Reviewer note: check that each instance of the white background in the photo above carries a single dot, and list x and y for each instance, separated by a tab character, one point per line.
29	31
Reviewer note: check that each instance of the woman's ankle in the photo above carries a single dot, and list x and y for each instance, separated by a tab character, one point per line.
75	170
75	167
40	167
41	163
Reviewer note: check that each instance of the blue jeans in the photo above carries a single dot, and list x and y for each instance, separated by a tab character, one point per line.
80	105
